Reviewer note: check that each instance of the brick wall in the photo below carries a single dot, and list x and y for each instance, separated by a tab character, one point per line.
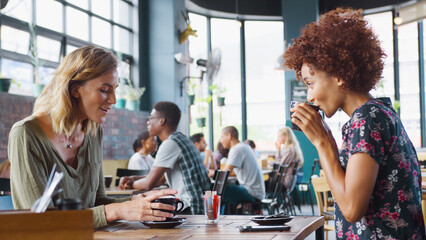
120	128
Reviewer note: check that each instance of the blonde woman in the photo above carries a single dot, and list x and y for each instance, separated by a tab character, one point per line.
288	152
288	149
65	129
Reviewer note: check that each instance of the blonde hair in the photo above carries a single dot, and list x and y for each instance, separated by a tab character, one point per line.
76	69
291	141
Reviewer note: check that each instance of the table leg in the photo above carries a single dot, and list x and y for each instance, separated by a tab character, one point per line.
319	233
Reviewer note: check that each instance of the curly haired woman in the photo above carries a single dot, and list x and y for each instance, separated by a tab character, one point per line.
375	177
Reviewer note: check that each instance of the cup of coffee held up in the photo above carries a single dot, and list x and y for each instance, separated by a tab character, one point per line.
294	126
170	200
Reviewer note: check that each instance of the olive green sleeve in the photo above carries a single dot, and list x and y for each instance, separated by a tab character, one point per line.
29	172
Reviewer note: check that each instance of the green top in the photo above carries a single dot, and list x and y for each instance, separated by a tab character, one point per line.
32	156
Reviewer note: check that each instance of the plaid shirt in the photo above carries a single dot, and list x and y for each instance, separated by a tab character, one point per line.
194	173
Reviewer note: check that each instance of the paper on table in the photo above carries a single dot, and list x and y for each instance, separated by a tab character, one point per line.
40	205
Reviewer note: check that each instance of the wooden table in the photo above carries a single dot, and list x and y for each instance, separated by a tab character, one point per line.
195	227
116	192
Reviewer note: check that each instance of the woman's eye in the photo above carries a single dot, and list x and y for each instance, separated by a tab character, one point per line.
104	90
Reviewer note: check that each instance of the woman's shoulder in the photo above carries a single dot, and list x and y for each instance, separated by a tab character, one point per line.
26	125
377	109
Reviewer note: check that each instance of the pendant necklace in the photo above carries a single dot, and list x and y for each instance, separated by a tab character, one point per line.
69	145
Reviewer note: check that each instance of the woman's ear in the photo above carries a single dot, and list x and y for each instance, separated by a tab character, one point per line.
74	91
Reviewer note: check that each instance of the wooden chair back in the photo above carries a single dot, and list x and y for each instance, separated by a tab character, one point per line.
322	190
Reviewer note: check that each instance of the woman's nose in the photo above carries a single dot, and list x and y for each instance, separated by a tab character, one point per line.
309	97
112	99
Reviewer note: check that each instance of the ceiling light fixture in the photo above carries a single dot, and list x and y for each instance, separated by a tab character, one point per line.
397	20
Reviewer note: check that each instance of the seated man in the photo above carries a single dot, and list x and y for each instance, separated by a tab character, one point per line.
242	163
177	159
206	154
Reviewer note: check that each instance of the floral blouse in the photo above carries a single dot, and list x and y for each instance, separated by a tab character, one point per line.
395	210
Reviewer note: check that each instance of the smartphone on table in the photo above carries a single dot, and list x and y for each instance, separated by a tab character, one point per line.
264	228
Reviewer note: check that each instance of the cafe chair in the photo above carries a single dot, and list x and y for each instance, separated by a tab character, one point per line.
4	186
5	197
122	172
305	188
273	202
322	192
272	181
288	204
220	178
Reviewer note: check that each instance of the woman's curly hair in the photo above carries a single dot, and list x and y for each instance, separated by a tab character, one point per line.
342	45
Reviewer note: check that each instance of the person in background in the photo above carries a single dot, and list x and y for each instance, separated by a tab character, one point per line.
136	146
220	155
5	169
206	154
177	158
253	147
65	129
242	163
288	148
288	152
142	160
375	176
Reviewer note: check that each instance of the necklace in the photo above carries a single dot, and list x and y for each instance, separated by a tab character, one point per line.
69	145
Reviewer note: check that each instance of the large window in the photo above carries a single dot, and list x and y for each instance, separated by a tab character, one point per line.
225	35
409	81
106	23
265	85
194	85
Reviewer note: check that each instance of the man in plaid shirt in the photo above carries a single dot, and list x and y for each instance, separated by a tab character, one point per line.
177	158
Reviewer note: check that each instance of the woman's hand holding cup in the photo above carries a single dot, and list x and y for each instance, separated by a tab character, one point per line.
141	208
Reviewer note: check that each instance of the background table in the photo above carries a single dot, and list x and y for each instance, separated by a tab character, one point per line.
227	228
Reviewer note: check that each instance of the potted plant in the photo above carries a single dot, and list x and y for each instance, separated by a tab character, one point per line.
133	96
5	83
121	94
35	61
191	87
201	104
219	91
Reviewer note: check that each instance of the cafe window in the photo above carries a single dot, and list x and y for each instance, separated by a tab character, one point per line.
265	85
101	26
19	9
102	8
52	20
101	32
121	13
48	49
225	35
80	28
194	86
80	3
409	81
14	40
